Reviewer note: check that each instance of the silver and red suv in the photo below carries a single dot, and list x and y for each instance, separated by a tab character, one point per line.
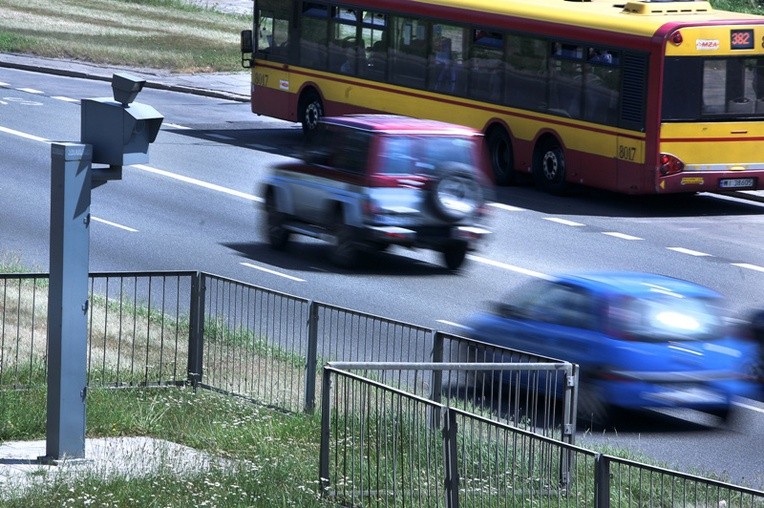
370	181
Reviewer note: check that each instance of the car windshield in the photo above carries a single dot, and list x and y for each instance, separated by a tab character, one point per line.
666	317
423	154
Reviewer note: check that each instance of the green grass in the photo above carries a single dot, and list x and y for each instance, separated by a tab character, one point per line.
165	34
272	457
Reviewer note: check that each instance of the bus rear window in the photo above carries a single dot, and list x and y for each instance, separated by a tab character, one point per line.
707	88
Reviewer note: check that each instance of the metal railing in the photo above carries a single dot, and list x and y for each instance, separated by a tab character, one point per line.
379	447
184	327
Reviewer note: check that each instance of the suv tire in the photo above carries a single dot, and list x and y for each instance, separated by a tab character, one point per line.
456	193
278	236
345	250
454	255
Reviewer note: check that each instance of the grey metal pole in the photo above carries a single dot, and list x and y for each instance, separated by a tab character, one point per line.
68	300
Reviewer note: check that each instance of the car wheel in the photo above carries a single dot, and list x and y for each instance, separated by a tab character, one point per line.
344	248
310	112
278	236
456	194
454	255
500	151
549	169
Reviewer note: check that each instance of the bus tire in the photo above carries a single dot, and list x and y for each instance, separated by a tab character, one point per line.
549	168
310	110
500	153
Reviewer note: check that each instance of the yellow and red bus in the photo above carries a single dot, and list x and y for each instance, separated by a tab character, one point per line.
637	97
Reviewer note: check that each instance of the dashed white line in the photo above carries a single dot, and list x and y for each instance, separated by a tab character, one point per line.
272	272
114	224
689	252
4	85
65	99
749	266
200	183
505	266
30	90
175	126
564	222
23	135
622	236
508	208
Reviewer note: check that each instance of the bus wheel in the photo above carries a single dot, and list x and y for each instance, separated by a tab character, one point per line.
549	168
310	111
500	152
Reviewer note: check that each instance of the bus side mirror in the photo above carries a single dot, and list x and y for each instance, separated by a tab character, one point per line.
247	47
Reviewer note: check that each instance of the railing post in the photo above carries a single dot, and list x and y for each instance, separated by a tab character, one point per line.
311	362
437	378
601	481
451	477
323	459
196	330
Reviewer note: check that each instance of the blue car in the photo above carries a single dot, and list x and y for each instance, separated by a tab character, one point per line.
641	340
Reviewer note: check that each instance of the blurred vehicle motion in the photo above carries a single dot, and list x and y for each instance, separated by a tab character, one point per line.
641	340
371	181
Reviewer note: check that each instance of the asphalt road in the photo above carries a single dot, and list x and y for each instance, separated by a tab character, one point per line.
196	206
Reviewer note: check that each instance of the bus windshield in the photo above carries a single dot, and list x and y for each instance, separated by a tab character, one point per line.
703	88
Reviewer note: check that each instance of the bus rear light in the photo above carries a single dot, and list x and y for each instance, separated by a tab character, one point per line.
670	164
677	38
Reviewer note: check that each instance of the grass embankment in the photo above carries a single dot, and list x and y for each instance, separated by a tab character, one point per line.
162	34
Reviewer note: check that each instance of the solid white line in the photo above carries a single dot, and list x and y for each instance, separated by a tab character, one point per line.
30	90
23	135
272	272
749	266
622	236
565	222
109	223
505	266
65	99
690	252
508	208
200	183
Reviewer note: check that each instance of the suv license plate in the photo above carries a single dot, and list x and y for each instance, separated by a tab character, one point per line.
735	183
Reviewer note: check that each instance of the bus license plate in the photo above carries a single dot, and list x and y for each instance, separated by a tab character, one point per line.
735	183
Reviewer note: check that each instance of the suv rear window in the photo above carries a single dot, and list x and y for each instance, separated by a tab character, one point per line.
423	154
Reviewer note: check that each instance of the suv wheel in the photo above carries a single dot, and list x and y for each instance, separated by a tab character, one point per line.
456	194
454	255
278	235
344	249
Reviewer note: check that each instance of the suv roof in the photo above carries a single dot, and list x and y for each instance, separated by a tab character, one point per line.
396	124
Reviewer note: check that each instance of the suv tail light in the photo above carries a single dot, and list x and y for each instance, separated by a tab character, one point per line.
670	164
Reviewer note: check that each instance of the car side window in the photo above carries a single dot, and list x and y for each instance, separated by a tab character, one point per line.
351	151
563	305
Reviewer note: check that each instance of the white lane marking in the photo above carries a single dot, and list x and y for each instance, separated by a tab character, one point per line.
30	90
109	223
749	266
505	266
622	236
3	103
23	135
4	85
748	406
564	222
272	272
690	252
262	148
175	126
200	183
65	99
450	323
508	208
